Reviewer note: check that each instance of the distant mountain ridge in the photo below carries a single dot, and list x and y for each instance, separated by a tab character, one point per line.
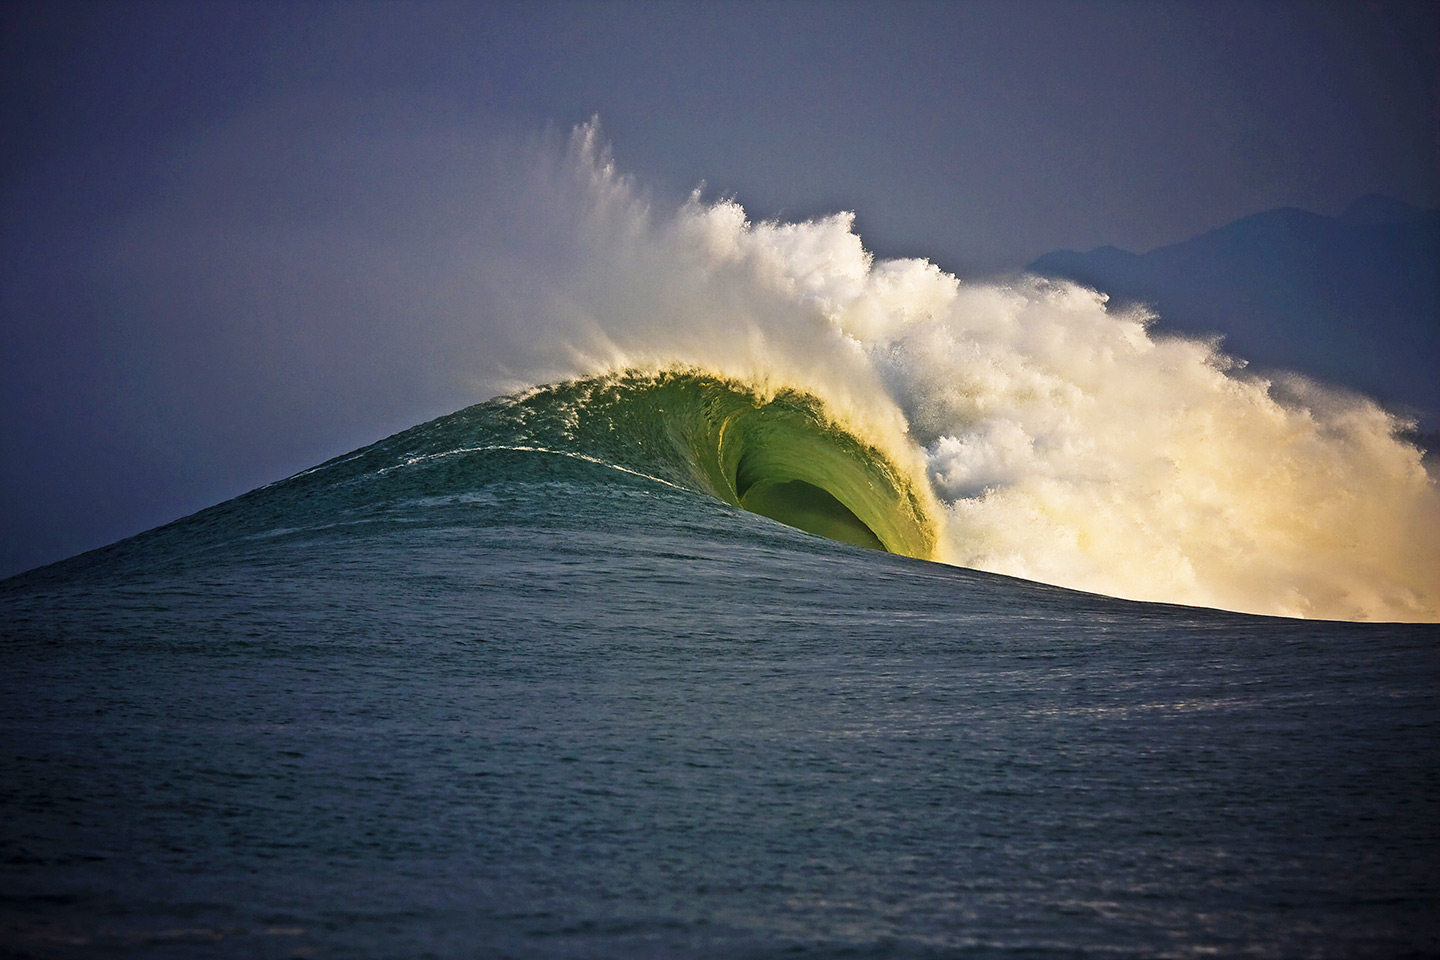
1353	300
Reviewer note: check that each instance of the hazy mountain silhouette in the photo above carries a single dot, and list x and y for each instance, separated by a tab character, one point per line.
1353	299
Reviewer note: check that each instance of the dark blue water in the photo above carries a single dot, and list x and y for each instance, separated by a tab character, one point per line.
533	706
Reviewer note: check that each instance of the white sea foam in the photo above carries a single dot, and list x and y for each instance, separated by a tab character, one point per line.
1064	442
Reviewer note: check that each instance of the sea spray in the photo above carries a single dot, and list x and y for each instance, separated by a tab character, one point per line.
1065	442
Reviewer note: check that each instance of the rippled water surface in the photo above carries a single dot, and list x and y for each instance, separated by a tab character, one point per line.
587	714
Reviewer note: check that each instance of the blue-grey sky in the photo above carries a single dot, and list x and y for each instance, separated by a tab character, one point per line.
227	225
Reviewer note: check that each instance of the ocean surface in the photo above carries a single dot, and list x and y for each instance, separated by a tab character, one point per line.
539	679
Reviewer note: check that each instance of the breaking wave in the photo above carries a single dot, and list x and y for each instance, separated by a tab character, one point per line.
1021	426
1058	440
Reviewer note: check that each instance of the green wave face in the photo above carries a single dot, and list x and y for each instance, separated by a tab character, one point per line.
779	457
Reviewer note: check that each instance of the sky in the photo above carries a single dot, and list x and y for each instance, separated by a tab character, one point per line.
241	238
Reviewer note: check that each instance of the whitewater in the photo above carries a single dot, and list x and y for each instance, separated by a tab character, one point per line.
1055	439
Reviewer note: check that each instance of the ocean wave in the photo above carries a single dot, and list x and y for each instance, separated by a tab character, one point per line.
1058	439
